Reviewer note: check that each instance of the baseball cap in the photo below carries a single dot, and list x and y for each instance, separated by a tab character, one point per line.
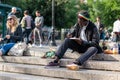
83	14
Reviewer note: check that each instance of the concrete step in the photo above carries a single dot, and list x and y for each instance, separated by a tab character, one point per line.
17	76
36	51
82	74
91	64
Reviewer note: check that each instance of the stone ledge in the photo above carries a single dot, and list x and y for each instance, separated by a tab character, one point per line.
41	51
91	64
82	74
17	76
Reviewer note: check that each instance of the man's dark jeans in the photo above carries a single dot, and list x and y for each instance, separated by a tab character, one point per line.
69	43
26	34
117	37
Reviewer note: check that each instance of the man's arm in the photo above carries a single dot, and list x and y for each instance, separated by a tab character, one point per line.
75	31
78	40
40	22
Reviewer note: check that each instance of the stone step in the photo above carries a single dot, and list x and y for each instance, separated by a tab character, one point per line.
82	74
91	64
17	76
41	52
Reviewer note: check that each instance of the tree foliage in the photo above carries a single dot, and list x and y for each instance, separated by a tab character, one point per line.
66	10
45	7
108	10
71	10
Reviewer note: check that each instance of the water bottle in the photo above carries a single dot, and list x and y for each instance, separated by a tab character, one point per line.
115	48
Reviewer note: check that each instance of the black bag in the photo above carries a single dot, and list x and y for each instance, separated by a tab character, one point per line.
32	24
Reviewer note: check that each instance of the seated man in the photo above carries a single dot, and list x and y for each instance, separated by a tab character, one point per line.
84	39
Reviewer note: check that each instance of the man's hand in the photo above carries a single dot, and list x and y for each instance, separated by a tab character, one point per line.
69	35
78	40
37	25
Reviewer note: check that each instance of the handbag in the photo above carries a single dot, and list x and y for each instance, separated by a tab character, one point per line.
18	49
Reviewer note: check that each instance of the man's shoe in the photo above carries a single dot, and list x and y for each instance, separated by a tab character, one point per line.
76	62
53	64
72	67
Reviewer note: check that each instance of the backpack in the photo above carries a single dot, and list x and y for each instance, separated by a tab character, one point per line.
24	24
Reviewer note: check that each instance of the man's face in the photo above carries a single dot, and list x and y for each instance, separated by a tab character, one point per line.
14	10
37	14
98	19
82	22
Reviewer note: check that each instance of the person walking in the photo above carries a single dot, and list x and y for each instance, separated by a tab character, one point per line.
26	25
100	27
84	39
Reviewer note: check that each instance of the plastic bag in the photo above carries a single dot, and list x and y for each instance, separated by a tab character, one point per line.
18	49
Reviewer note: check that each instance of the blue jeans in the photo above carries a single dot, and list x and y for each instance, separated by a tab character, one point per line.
6	47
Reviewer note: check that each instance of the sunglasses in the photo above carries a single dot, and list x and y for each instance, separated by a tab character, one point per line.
9	19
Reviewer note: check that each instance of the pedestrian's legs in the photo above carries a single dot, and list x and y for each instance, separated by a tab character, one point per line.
24	36
34	36
31	37
90	51
39	36
28	31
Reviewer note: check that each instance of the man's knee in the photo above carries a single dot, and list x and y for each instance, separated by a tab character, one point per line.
93	49
67	40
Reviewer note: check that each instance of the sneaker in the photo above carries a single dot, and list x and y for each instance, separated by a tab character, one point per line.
53	64
29	45
76	62
40	45
33	45
72	67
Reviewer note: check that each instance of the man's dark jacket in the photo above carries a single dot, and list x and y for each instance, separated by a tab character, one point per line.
91	33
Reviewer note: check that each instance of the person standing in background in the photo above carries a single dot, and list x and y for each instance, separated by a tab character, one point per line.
100	27
26	25
13	11
39	21
116	29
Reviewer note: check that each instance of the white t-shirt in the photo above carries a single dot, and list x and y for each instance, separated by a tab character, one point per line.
116	26
82	34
